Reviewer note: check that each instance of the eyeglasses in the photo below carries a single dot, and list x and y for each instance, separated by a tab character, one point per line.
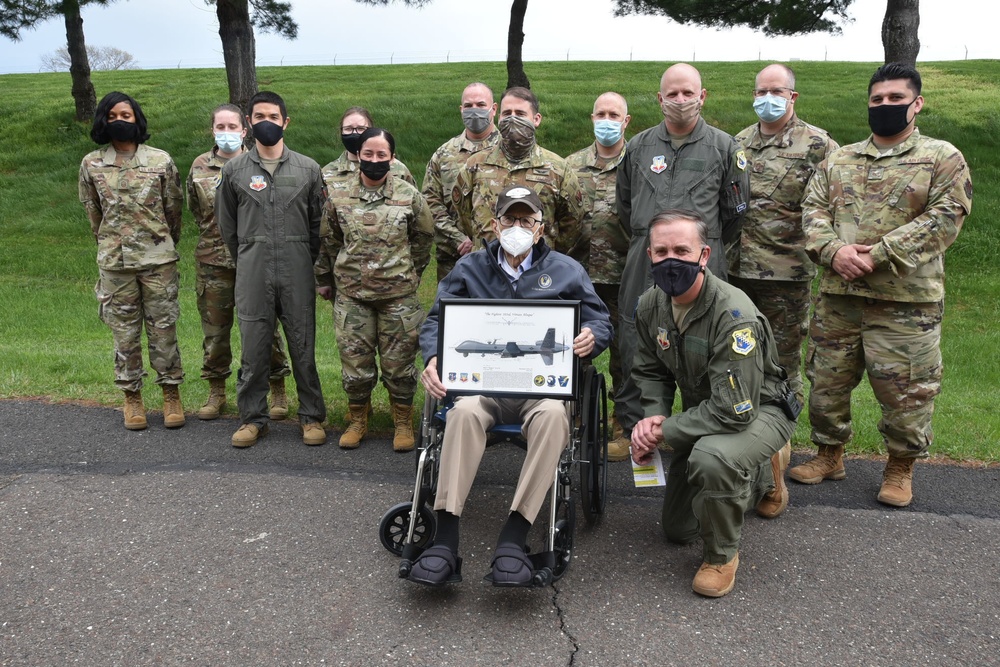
525	223
761	92
353	130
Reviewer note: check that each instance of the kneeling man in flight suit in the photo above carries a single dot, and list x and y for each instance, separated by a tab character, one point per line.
701	336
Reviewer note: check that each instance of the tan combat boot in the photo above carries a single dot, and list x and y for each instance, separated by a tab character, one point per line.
714	581
897	482
173	411
358	428
279	400
248	434
619	444
402	416
827	464
135	411
216	402
775	501
313	434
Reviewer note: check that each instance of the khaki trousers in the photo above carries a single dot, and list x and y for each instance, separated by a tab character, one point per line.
545	426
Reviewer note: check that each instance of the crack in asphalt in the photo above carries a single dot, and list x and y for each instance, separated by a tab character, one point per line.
562	626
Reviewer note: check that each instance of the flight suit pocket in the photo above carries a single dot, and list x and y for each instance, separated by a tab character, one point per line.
737	398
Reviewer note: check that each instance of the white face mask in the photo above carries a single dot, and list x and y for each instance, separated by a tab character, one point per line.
516	240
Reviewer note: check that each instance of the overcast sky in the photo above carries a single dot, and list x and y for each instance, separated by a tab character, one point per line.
184	33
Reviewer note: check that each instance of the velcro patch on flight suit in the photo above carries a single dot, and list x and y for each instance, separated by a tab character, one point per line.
744	342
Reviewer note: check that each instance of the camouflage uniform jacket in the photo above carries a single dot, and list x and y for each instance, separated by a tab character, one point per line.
772	245
441	176
725	364
204	177
707	175
487	173
135	209
608	240
909	204
379	241
340	173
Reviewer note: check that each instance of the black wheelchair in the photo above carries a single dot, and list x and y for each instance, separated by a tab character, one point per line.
408	528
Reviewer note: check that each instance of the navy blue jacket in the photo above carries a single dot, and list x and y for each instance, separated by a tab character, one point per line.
552	275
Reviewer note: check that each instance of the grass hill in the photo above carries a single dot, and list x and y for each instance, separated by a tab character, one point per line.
53	345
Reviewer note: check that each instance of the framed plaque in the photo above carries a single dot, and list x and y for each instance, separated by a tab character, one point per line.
508	347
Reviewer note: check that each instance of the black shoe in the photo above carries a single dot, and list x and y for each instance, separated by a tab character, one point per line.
436	566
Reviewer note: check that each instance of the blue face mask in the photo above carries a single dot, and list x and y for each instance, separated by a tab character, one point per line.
228	142
607	132
769	107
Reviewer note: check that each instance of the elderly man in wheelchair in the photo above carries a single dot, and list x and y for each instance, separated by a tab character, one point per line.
516	265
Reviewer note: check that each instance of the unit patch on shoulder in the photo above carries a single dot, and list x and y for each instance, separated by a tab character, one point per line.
743	341
741	160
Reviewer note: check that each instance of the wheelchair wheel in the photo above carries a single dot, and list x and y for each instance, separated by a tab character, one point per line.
565	527
594	445
395	523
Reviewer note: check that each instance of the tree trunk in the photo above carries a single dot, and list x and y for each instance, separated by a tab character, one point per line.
238	49
899	31
79	66
515	39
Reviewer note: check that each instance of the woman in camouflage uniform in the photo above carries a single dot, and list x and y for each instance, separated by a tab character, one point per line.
344	170
378	234
216	272
132	194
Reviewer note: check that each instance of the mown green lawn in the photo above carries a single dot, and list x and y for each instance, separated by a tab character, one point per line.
52	344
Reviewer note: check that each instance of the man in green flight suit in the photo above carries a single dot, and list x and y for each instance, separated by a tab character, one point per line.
681	163
704	337
269	204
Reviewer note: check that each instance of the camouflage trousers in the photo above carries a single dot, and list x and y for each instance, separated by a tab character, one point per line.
899	345
391	327
447	256
216	290
127	300
785	304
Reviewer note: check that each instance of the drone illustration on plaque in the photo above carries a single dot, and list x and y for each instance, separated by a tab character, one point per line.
546	348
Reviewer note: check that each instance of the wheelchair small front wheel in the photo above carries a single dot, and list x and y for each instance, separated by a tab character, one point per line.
395	524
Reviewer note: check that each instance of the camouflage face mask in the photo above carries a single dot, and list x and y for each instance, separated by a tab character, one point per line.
517	136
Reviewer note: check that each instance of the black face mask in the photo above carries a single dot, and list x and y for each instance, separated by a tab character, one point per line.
675	276
123	131
888	120
268	133
376	171
352	142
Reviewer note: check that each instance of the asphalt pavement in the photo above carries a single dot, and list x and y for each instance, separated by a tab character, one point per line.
173	548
